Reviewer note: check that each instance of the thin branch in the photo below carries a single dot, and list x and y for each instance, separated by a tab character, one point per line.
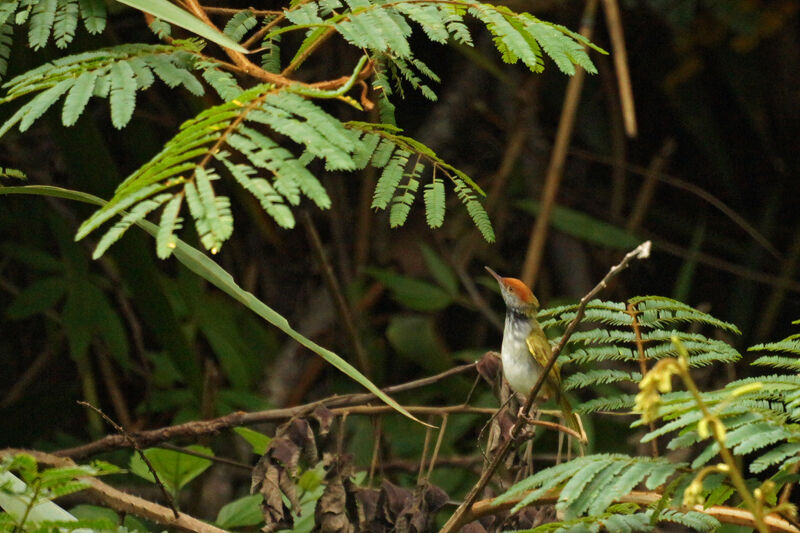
211	10
135	445
335	289
196	428
458	519
637	331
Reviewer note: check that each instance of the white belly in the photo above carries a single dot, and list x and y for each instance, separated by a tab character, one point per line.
519	367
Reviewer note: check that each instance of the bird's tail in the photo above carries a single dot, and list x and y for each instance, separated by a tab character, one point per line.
571	420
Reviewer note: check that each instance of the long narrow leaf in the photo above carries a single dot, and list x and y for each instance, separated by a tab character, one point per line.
203	266
175	15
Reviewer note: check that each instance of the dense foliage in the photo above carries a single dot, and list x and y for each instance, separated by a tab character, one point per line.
331	115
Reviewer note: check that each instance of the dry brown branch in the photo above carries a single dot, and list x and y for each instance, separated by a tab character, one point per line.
192	430
727	515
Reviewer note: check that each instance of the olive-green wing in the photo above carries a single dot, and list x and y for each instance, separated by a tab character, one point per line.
539	347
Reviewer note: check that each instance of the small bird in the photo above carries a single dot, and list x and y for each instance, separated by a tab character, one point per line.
526	350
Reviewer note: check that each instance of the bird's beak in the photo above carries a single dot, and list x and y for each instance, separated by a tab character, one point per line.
495	275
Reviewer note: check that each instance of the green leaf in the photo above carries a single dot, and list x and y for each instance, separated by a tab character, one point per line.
174	469
123	94
44	14
434	203
412	293
243	512
173	14
258	441
78	97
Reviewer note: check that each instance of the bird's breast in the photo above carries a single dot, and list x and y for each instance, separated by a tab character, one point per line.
519	367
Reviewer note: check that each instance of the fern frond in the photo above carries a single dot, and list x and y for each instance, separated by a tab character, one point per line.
401	203
475	209
590	484
93	13
222	82
659	311
123	94
169	224
592	354
434	203
41	23
239	24
115	72
187	164
777	455
389	180
598	377
6	38
271	57
608	403
66	22
7	9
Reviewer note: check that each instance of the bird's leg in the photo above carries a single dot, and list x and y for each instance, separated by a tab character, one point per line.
530	429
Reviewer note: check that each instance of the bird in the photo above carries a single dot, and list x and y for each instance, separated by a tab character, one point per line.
526	350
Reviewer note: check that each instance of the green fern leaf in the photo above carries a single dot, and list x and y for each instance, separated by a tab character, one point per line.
785	346
66	21
434	203
37	107
389	180
599	376
775	456
117	205
239	24
401	203
173	75
271	58
562	49
93	13
6	38
512	44
474	208
222	82
608	403
366	148
166	241
142	73
266	195
286	167
7	9
383	154
211	212
42	18
123	94
777	361
430	19
139	211
78	97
